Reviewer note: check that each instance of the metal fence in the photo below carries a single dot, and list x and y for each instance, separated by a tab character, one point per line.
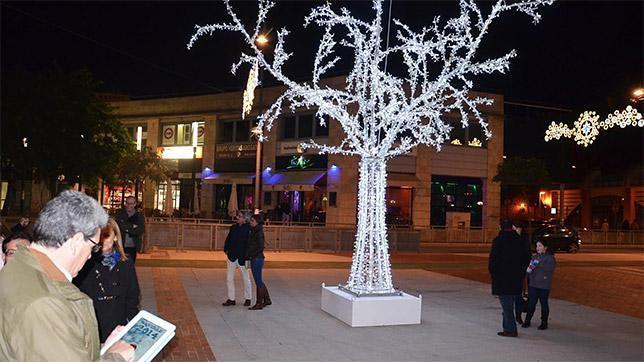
202	235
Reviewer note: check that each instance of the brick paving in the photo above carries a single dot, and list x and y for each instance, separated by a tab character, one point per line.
189	343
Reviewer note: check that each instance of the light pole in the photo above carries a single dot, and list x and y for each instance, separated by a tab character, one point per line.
195	138
261	41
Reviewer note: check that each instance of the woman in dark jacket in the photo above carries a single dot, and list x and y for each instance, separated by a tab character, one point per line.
109	278
540	271
255	253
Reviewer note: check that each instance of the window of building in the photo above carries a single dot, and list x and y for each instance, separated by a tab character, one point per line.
456	194
160	197
303	126
472	135
237	131
133	132
180	134
399	205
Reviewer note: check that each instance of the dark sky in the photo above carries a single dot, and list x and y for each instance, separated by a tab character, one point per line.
583	55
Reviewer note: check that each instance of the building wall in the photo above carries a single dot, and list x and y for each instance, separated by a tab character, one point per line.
451	161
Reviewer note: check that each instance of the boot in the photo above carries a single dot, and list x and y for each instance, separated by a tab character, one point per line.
544	320
259	303
267	298
528	318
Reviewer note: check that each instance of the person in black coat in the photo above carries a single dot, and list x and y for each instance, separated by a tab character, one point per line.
132	225
109	278
506	266
255	253
235	249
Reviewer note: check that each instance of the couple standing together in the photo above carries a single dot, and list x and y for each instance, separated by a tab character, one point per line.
245	245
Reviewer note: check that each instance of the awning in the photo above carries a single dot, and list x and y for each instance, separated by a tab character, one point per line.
229	178
295	181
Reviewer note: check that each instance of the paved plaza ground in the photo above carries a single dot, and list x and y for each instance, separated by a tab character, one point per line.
459	321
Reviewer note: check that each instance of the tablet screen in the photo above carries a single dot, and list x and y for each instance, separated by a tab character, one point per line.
143	334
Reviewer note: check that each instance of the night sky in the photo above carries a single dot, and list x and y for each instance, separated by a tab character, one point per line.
581	56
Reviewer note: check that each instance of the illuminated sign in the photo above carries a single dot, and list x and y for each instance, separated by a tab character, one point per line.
179	152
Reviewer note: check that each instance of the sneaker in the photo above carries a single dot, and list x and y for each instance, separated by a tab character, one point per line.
247	303
508	334
228	303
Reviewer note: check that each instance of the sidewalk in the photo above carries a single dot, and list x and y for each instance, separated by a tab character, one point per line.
459	322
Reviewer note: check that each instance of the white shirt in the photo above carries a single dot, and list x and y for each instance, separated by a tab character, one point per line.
62	270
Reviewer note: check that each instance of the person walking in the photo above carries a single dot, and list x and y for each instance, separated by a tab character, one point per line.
109	278
132	225
235	249
44	316
540	271
506	267
255	253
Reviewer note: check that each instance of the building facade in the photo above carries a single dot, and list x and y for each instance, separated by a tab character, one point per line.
214	172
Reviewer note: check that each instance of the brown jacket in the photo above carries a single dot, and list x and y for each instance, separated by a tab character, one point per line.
44	317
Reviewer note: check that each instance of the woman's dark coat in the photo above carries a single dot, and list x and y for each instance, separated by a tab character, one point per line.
255	246
507	263
115	292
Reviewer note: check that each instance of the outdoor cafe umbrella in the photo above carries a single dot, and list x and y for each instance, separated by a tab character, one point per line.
232	202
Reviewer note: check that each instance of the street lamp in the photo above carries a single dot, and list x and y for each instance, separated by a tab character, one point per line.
261	41
638	95
195	139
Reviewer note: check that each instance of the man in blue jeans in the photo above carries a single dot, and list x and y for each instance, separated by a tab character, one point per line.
506	266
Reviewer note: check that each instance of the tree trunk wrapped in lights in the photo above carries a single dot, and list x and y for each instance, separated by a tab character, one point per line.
382	115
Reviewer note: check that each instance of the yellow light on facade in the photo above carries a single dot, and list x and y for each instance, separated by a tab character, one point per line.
139	137
179	152
475	143
456	142
195	133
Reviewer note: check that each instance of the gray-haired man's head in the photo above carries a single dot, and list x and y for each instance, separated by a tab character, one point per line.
67	214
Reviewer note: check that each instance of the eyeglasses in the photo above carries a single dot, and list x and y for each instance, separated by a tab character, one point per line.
96	247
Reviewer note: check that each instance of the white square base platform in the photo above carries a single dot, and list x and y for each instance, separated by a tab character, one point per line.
371	311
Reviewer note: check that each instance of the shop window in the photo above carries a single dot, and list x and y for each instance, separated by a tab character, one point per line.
456	194
268	198
160	197
399	206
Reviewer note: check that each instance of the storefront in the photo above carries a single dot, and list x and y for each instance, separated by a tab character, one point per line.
456	201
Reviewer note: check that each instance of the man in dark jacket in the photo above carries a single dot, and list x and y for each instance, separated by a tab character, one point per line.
132	225
506	265
235	249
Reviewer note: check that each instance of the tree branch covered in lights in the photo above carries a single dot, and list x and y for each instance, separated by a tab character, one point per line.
382	115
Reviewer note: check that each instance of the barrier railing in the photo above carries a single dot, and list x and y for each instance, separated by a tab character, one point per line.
199	235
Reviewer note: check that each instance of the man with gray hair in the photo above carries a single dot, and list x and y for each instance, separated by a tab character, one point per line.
44	316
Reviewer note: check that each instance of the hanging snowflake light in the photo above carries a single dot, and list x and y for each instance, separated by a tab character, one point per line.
382	115
587	126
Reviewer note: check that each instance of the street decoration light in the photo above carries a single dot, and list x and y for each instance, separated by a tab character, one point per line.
587	127
382	115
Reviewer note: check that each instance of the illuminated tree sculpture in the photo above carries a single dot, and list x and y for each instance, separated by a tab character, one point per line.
382	115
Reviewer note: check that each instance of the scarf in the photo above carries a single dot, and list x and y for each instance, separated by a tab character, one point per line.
111	259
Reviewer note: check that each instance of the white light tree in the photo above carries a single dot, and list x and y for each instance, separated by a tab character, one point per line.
382	115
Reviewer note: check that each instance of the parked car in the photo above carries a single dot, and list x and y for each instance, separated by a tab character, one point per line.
558	238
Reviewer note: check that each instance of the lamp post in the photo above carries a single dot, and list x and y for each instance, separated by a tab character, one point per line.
195	138
262	41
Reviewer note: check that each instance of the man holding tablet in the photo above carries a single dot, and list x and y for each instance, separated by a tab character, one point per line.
45	317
